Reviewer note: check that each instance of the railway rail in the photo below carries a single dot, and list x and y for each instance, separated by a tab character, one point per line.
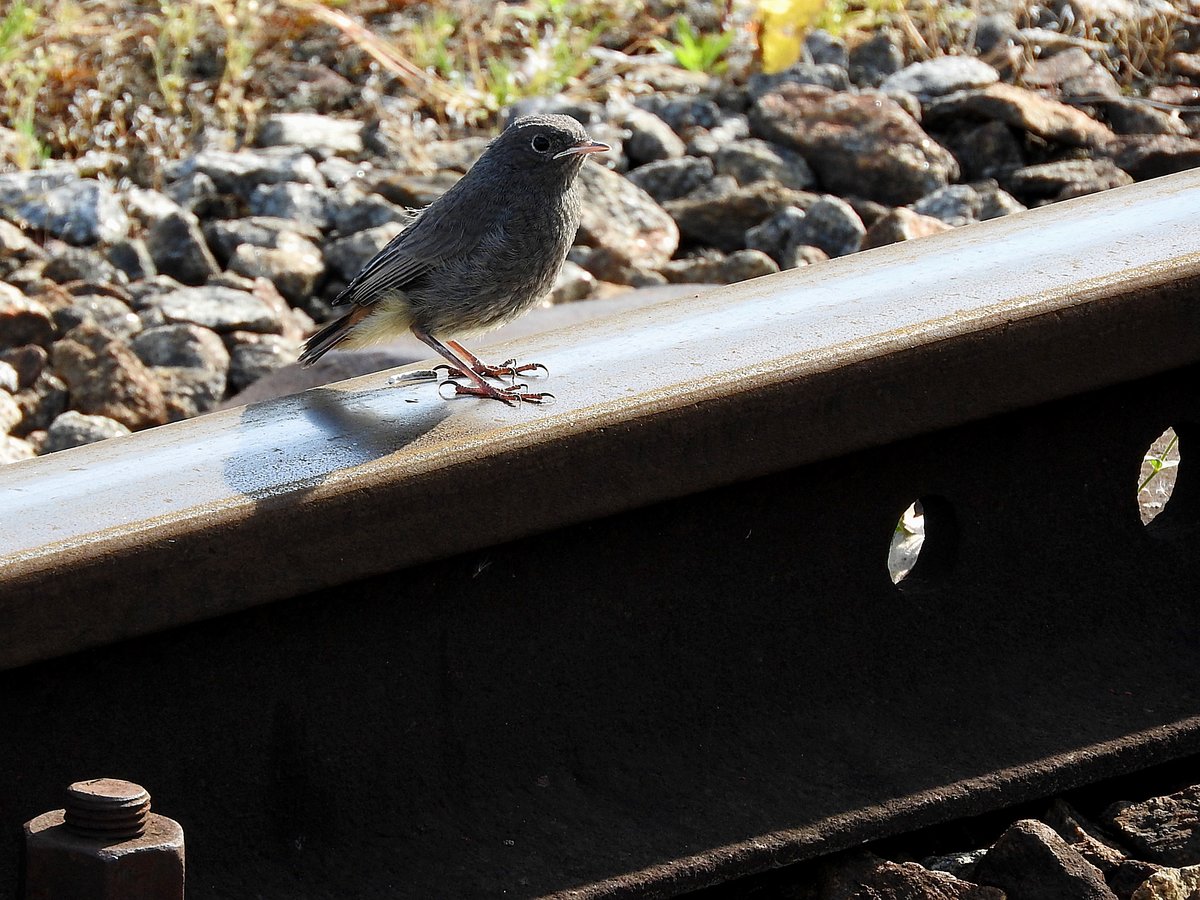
365	642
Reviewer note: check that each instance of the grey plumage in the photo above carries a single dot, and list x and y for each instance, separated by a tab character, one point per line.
479	255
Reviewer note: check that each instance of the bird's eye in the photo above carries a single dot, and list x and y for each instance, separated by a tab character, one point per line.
540	143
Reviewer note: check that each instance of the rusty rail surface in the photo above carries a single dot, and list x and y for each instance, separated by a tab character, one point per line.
644	639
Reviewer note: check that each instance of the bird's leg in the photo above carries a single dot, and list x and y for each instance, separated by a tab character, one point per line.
466	368
507	369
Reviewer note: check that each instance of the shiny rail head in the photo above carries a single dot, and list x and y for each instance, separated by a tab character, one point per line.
651	404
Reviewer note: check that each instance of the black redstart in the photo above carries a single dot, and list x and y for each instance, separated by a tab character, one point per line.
479	255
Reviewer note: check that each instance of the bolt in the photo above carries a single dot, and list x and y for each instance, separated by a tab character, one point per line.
105	845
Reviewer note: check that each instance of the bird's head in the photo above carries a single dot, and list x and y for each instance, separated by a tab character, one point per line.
553	145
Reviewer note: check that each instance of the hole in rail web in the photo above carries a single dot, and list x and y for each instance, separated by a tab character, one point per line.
1158	474
924	543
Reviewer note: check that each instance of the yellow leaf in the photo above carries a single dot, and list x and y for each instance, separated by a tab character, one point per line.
784	23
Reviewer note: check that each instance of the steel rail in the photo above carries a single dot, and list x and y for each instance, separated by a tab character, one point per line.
643	640
360	478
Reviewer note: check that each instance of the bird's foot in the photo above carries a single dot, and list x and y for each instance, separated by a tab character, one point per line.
508	370
509	396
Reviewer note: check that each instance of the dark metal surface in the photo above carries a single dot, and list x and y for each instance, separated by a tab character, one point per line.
630	648
659	699
808	364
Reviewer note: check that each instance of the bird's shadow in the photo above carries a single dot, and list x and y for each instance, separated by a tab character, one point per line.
286	447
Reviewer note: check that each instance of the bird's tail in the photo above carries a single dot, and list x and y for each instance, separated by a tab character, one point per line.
328	338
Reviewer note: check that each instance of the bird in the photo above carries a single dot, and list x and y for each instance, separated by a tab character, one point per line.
478	256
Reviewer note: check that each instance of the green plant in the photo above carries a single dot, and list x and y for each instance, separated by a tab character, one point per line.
24	69
17	24
176	27
1159	462
696	51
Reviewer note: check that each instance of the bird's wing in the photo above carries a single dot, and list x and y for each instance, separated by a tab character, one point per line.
421	246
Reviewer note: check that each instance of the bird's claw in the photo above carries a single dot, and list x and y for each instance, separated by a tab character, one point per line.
509	396
507	370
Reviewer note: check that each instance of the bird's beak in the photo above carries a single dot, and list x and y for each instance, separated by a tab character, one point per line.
582	148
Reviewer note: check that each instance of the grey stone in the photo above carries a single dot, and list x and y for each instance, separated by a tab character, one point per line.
79	212
1067	67
669	179
132	257
241	171
614	267
860	874
106	378
187	391
9	380
17	187
182	345
984	150
322	136
357	212
301	203
101	310
941	75
414	191
178	248
221	309
864	144
960	865
1163	830
650	138
996	202
573	283
28	361
755	160
65	264
341	173
1066	179
40	403
823	48
192	190
827	76
226	235
10	412
1084	836
683	113
720	215
586	111
620	216
833	225
74	429
23	320
995	33
14	449
1169	884
458	155
774	235
875	59
1020	108
715	267
901	224
253	356
345	256
1152	155
295	266
1032	862
14	245
955	204
701	143
1127	115
147	207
